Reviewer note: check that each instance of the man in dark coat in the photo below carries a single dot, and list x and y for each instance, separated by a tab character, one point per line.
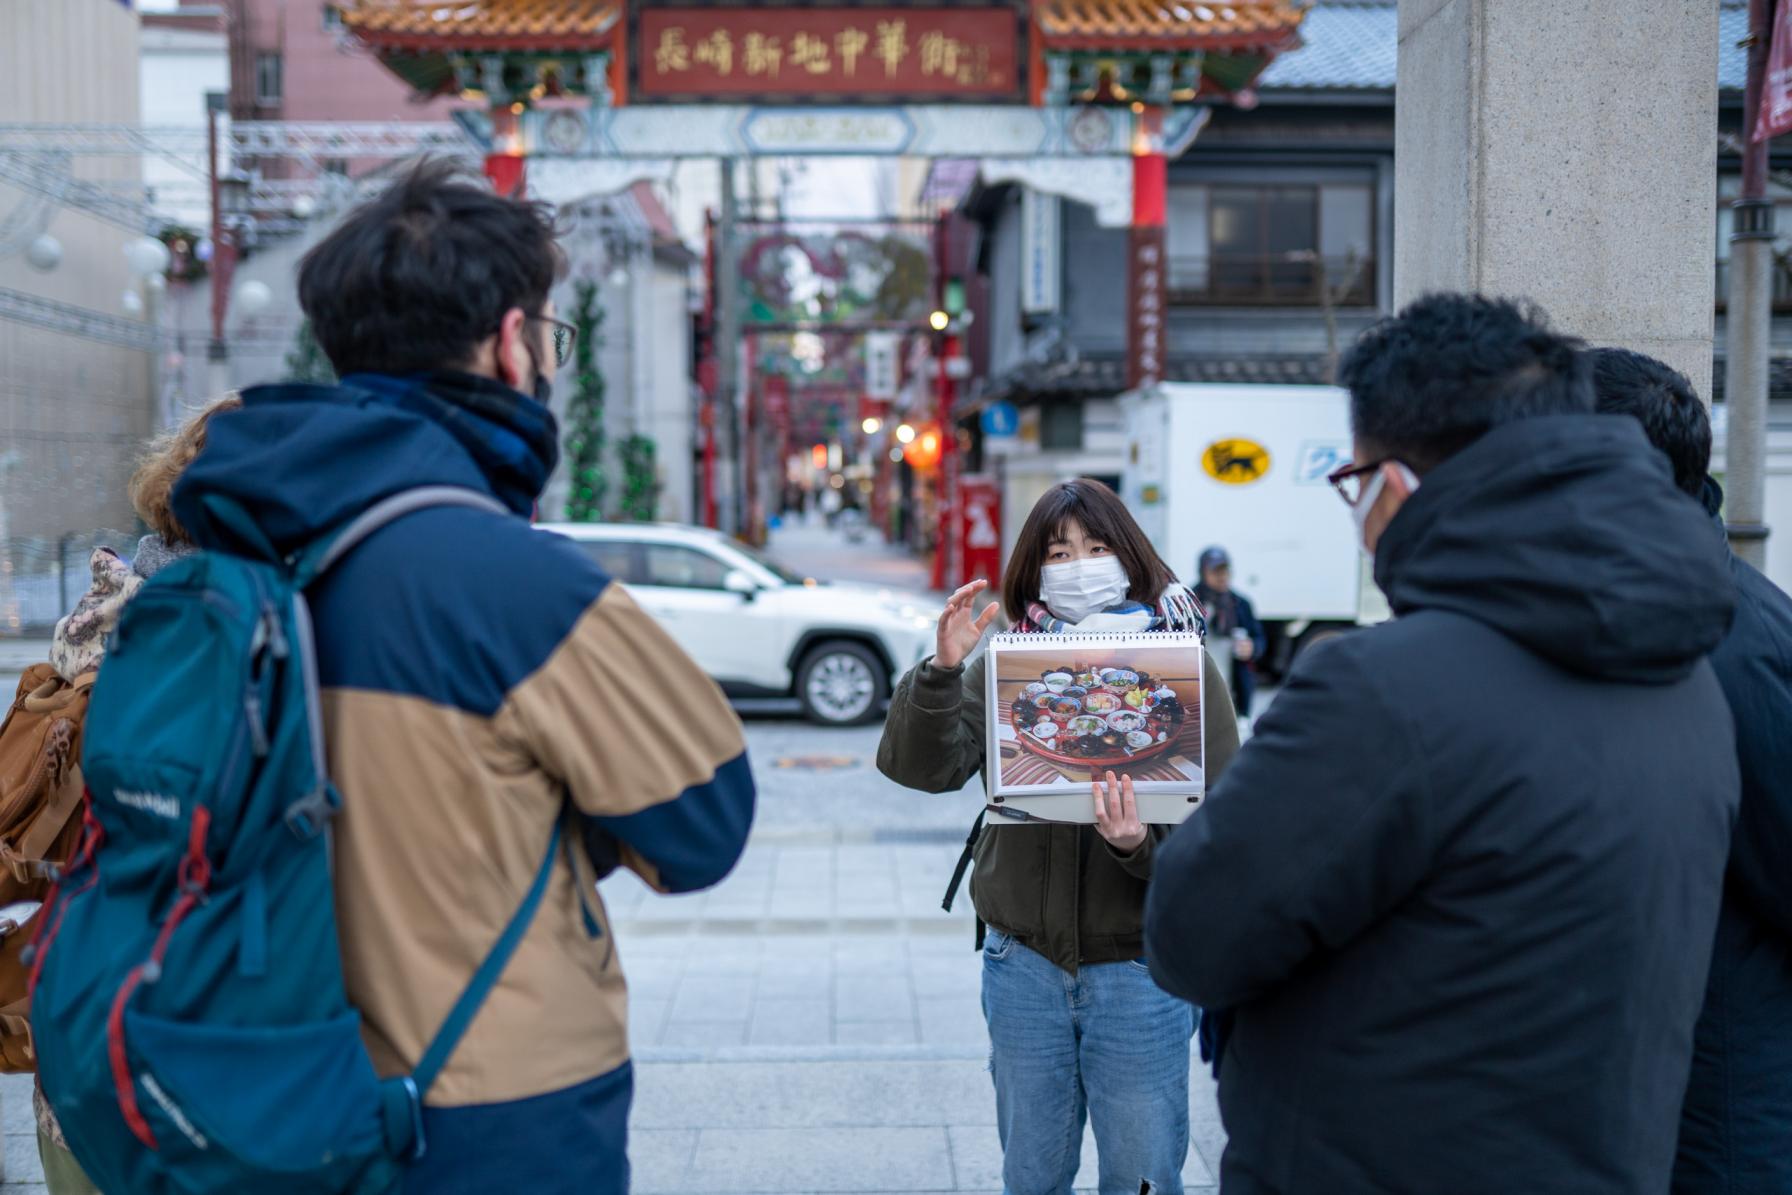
1230	615
1459	890
1736	1130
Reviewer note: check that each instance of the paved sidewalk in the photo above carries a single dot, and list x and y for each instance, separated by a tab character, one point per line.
809	1064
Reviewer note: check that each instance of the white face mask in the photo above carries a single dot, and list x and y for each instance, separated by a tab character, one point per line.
1372	495
1078	588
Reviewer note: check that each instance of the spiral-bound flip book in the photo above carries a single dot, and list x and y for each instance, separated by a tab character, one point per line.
1066	709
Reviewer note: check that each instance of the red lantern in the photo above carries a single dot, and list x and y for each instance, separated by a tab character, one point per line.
924	453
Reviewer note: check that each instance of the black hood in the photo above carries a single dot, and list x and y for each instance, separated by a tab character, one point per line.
1567	534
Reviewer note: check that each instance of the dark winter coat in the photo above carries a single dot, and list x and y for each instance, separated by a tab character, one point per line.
1460	888
1736	1129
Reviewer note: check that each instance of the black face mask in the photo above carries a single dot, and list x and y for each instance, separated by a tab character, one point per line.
544	384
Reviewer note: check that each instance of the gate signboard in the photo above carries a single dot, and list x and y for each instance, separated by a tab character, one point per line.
772	52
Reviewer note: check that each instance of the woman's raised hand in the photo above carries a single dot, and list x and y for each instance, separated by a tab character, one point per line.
961	627
1117	814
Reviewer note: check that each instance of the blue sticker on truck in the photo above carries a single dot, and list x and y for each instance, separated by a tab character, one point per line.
1317	460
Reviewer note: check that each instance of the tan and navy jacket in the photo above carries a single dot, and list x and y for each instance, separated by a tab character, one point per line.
482	681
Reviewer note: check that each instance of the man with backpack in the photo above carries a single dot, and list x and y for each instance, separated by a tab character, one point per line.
502	725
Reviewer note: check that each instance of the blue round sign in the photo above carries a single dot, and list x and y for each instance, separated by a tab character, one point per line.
1000	419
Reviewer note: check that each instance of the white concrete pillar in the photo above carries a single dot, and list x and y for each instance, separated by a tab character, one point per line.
1564	151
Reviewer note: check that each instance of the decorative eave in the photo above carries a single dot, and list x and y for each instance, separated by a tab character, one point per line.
1159	51
501	50
562	26
1122	26
1104	376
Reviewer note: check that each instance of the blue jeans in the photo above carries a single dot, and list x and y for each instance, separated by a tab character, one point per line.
1106	1044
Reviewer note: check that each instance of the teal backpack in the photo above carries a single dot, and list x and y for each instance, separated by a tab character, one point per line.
192	1028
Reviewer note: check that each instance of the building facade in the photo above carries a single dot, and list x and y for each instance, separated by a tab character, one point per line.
1280	243
76	392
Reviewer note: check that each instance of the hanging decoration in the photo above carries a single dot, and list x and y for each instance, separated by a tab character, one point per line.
585	436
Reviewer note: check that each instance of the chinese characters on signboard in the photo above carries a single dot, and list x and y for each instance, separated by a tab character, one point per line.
1146	307
1042	233
882	376
1776	94
737	53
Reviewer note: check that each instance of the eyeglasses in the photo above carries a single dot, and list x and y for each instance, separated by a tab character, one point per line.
565	336
1352	480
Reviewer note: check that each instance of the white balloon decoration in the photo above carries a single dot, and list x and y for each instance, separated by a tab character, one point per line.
45	253
147	256
252	298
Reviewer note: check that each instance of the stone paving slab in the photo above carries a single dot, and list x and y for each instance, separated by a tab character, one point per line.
842	1126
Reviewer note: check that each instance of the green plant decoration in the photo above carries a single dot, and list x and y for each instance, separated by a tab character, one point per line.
640	481
306	362
585	437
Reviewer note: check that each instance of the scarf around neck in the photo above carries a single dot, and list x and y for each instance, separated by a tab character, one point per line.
514	439
1175	611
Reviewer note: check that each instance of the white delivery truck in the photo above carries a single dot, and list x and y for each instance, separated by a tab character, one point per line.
1245	467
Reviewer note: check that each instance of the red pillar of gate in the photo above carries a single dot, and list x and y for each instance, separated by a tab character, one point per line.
754	531
1147	261
506	166
707	375
946	490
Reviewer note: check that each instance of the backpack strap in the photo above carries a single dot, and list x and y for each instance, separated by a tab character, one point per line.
321	556
964	862
310	813
409	1137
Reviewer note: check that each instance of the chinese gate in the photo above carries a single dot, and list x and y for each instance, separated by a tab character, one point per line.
1080	99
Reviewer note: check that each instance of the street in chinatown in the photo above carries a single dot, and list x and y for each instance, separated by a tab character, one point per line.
812	1024
1266	352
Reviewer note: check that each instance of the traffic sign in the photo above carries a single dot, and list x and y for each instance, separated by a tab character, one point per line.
1000	420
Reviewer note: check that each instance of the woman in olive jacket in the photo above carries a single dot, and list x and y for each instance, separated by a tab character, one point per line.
1077	1029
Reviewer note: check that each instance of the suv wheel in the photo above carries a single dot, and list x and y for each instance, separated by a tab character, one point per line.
840	682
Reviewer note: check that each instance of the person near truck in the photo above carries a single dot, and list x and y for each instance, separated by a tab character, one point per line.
1231	617
1459	890
1078	1032
1736	1128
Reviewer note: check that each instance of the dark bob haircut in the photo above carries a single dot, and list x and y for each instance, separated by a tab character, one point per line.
1661	398
1104	518
1450	368
415	278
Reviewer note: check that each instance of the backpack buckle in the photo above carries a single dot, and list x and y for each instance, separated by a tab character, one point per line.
307	816
419	1144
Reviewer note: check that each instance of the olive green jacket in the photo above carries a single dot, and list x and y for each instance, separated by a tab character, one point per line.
1060	890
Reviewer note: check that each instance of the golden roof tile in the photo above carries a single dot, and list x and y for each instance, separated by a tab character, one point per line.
487	24
1188	24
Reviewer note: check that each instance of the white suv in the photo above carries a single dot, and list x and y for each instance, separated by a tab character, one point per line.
759	629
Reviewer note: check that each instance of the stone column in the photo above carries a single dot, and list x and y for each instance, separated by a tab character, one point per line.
1565	153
